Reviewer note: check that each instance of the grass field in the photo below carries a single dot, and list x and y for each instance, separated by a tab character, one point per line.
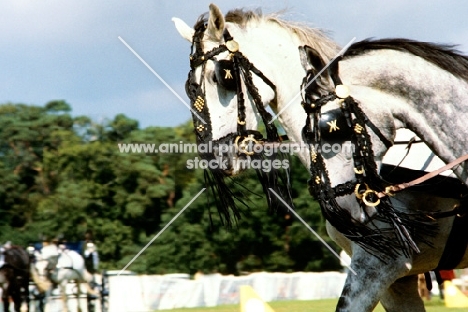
435	305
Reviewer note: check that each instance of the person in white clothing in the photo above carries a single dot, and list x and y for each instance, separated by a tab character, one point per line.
91	257
49	249
50	252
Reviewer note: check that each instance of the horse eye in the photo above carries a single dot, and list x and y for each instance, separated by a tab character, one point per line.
214	78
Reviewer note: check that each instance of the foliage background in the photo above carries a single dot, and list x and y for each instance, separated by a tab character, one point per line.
64	176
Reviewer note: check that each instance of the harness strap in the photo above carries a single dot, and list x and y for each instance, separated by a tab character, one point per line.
399	187
408	148
410	142
459	211
457	241
428	280
376	130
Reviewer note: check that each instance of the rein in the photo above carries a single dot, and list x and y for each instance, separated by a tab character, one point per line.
392	189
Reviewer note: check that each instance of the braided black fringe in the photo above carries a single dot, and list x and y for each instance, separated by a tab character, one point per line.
400	229
227	199
407	227
385	243
376	241
279	180
224	198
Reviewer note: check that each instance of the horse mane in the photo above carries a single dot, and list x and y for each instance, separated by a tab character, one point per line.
447	57
314	37
444	56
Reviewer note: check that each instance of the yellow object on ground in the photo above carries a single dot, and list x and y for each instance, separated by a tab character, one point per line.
250	301
454	298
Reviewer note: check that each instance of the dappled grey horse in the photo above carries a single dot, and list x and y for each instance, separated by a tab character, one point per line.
245	61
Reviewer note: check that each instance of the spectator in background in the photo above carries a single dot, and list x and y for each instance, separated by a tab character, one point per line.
50	252
198	275
422	287
91	258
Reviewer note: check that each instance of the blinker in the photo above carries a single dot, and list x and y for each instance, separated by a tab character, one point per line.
224	72
333	126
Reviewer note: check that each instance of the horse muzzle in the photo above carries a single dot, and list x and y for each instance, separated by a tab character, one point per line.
232	153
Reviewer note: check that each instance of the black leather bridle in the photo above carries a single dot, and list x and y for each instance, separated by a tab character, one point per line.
349	121
230	74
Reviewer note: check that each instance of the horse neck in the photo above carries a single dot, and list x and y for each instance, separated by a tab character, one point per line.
422	97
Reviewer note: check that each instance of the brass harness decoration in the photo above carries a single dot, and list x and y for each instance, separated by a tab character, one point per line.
228	74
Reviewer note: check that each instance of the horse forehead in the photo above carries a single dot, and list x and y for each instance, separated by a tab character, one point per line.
331	106
208	45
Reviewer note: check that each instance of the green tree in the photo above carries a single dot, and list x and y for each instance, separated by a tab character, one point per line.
25	133
118	197
63	175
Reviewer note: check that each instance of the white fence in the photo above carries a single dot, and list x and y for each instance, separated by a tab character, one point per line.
152	292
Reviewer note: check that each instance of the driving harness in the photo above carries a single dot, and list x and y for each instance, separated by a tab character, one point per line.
348	123
368	186
228	74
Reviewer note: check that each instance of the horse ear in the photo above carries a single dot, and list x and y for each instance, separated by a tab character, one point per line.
314	58
184	30
215	23
303	57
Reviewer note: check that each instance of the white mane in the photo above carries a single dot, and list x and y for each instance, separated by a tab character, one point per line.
316	38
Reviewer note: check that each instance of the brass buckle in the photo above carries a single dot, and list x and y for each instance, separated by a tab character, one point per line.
359	171
244	144
358	192
389	192
366	201
240	122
